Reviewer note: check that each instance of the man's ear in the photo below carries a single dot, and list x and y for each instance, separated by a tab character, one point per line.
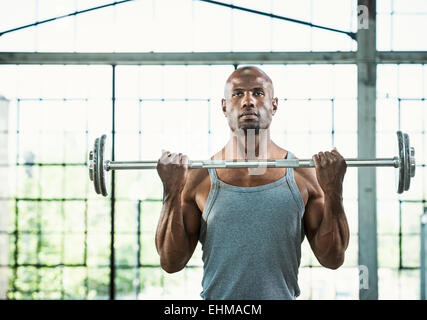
224	105
275	103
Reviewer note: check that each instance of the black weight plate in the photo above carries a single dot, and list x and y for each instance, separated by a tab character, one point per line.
400	144
90	164
407	174
96	166
412	163
102	172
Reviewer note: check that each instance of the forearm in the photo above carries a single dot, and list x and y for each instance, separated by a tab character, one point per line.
333	235
172	241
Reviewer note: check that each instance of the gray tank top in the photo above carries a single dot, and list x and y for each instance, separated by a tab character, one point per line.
251	240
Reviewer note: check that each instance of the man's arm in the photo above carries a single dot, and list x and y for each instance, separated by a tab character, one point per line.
325	222
178	228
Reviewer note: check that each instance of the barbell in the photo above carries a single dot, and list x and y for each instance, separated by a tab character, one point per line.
100	166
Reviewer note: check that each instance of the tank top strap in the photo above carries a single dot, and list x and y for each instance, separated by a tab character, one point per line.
290	171
213	176
293	184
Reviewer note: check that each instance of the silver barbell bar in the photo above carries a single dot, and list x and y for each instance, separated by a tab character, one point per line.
267	163
99	166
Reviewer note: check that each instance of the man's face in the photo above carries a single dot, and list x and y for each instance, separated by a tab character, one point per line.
249	102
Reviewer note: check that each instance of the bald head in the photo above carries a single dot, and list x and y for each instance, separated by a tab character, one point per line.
245	74
249	101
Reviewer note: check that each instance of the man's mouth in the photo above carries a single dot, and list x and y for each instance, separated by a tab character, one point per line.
249	115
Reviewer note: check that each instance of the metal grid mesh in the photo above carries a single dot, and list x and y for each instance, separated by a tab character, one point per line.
93	276
396	20
60	233
30	204
401	106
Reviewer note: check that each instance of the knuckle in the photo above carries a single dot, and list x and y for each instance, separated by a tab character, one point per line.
164	161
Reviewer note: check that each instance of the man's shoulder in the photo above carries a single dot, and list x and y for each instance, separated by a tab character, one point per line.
195	178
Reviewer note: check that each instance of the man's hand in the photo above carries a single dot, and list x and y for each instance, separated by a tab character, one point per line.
330	171
177	232
173	171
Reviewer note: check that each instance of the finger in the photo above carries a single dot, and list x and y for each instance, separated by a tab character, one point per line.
185	160
316	160
323	160
165	156
330	157
339	157
336	153
174	158
165	152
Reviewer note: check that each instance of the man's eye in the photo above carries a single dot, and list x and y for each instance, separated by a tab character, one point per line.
259	93
237	94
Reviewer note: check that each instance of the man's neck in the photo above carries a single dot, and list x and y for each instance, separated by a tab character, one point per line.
248	144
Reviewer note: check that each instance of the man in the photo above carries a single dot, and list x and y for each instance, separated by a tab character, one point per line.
251	224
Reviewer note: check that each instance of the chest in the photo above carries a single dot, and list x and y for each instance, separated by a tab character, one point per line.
250	177
240	178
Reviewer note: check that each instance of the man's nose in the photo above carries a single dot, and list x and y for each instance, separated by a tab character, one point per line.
248	100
